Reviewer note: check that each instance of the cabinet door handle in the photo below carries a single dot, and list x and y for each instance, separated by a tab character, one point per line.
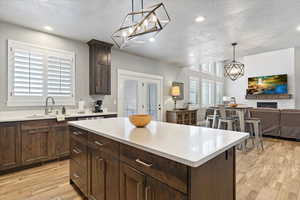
75	175
98	143
143	163
76	151
76	133
147	191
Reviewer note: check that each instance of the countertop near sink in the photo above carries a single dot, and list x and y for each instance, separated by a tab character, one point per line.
14	116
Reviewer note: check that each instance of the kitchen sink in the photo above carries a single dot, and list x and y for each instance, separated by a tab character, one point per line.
39	116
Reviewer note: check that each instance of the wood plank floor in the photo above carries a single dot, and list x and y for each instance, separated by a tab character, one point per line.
270	175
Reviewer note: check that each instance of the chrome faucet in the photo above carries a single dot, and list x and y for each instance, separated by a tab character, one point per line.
47	111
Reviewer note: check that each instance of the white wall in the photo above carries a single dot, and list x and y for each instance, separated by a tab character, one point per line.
297	77
270	63
120	60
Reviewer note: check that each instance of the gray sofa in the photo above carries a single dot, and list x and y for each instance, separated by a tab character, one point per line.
280	123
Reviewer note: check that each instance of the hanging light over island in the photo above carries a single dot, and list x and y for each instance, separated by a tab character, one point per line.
141	26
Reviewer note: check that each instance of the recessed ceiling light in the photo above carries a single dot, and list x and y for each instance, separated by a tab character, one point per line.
191	54
152	39
200	19
48	28
298	28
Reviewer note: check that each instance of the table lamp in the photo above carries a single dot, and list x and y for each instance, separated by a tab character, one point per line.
175	92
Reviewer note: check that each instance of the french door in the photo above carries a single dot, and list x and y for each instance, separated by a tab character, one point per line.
139	94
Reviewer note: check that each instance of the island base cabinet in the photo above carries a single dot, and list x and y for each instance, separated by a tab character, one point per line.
215	180
156	190
134	185
103	176
117	172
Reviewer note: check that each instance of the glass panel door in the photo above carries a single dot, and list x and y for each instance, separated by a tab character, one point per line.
139	95
153	106
130	103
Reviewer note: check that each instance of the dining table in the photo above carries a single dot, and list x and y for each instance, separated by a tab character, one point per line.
241	111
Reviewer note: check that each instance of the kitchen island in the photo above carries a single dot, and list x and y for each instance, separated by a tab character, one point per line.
113	160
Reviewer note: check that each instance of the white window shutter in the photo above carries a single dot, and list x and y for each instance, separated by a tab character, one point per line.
36	72
28	73
60	76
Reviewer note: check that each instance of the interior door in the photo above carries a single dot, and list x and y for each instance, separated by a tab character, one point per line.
151	101
140	95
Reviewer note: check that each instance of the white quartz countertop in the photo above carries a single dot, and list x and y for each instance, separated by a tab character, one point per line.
189	145
13	116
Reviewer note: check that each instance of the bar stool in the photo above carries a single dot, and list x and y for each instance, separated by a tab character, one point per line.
229	121
256	131
210	118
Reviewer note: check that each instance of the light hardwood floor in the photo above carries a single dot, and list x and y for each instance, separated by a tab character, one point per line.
273	174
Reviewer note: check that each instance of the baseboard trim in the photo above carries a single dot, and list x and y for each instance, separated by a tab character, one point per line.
23	167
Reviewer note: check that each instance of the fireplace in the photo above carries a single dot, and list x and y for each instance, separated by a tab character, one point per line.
267	104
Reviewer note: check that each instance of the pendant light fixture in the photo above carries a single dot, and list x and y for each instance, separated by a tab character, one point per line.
234	69
141	26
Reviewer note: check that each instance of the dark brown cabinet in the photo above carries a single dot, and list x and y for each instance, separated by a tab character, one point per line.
117	171
60	140
156	190
79	159
132	183
10	153
35	142
104	176
100	67
187	117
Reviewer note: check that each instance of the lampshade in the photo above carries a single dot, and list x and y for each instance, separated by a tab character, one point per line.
175	91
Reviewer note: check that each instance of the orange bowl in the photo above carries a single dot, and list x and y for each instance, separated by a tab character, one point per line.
233	105
140	121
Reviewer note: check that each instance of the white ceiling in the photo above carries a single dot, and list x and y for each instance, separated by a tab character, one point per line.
257	25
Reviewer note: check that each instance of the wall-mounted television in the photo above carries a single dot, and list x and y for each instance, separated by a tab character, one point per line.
276	84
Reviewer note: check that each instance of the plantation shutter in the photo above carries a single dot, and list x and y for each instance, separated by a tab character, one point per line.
60	76
34	73
28	73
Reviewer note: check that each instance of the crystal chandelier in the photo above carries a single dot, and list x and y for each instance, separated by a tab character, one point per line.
141	26
234	69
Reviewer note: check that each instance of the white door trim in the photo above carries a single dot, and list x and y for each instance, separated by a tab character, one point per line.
138	75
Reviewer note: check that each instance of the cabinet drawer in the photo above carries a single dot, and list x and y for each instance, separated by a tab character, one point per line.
79	134
104	144
169	172
79	152
78	176
37	124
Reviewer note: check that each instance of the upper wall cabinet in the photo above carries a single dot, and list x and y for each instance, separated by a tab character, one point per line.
100	67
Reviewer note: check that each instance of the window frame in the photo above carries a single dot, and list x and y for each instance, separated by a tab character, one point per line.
14	101
191	78
217	84
212	97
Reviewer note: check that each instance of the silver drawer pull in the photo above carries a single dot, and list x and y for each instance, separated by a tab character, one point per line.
75	175
76	133
143	163
98	143
76	151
